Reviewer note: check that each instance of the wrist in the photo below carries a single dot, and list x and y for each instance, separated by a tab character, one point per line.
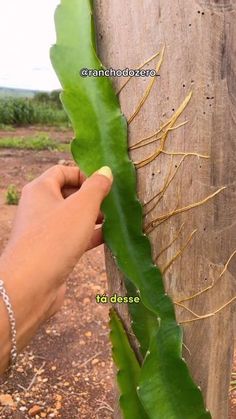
30	303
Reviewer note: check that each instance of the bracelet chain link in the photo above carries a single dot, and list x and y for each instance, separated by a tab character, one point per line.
12	322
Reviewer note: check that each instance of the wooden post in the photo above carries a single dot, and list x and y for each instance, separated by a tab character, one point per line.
200	56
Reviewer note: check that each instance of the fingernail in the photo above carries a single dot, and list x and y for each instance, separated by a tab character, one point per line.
105	171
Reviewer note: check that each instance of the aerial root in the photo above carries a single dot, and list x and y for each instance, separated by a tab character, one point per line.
187	349
206	316
161	129
170	244
227	264
164	217
146	229
173	119
188	309
161	193
182	153
148	160
233	383
141	142
148	90
148	140
210	286
179	253
163	188
139	68
167	183
196	294
233	386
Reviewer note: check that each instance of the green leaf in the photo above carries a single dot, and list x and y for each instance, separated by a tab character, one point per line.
144	321
166	388
128	370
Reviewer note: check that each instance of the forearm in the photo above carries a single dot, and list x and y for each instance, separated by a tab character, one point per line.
30	302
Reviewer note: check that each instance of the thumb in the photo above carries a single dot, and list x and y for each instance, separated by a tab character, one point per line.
99	184
93	191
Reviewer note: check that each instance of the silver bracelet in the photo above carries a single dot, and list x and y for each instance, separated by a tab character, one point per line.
12	322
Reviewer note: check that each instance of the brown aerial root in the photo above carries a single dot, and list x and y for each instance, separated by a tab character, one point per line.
148	90
188	309
187	349
148	140
145	204
233	383
161	129
204	316
169	179
164	217
167	183
139	68
227	264
173	119
210	286
172	213
187	153
169	244
179	253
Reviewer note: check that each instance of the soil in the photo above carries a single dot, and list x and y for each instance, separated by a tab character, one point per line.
66	371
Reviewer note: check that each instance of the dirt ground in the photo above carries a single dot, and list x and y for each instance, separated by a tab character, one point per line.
66	372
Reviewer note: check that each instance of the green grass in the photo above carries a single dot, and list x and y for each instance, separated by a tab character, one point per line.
37	142
12	195
4	127
25	111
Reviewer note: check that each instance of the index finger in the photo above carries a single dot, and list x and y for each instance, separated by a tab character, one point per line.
62	176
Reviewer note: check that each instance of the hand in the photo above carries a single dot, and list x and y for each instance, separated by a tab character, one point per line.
54	225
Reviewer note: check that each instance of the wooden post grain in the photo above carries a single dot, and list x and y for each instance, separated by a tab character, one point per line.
200	56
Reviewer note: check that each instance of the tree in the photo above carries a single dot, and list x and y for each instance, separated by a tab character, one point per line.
200	56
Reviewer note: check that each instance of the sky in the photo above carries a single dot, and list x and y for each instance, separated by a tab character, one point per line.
26	34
